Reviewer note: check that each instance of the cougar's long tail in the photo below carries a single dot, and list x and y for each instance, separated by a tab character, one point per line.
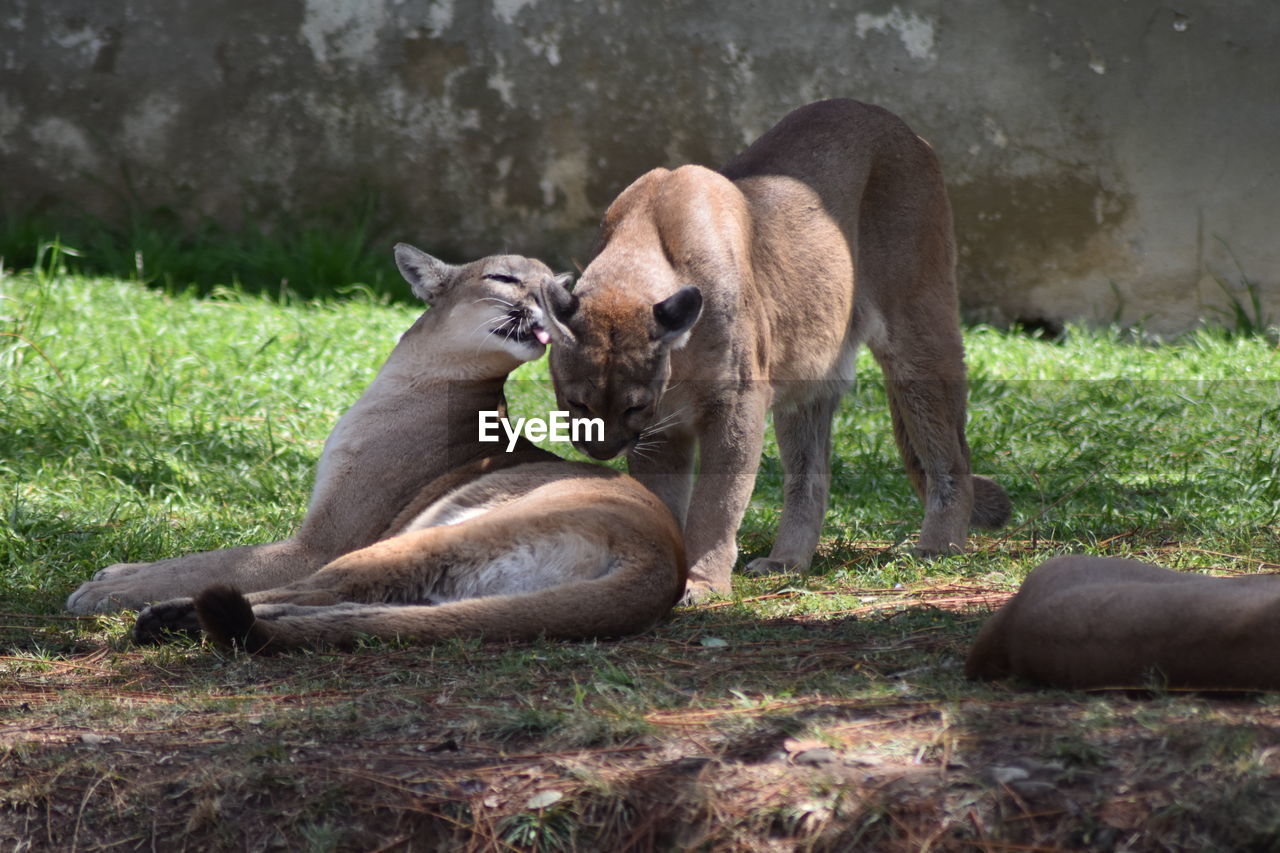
228	619
635	595
991	506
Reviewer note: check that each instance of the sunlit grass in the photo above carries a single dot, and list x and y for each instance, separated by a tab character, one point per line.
138	424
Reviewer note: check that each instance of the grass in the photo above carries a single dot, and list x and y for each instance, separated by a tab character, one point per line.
325	254
823	712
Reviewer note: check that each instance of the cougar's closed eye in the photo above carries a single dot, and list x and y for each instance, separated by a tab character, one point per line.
502	278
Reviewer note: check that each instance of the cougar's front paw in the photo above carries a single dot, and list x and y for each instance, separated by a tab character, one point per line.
762	566
165	619
114	588
934	550
697	592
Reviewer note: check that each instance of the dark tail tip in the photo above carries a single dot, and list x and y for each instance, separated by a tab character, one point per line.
227	617
991	506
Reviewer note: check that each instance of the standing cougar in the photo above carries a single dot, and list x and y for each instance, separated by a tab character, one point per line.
419	530
713	297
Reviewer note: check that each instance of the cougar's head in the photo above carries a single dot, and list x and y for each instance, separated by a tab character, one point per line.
484	310
611	358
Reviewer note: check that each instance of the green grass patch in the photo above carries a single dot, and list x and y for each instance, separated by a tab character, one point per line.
327	254
823	712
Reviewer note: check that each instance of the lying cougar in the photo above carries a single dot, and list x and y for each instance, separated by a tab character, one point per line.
410	509
714	297
390	443
1084	622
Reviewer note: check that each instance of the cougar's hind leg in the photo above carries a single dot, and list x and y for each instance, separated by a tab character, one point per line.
492	555
562	582
804	442
928	426
404	568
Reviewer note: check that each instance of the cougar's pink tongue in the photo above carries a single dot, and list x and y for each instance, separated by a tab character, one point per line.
541	334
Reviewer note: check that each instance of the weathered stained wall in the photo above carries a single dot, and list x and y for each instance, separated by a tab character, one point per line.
1106	159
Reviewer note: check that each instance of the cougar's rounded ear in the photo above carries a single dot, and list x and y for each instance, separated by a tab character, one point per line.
558	305
676	315
428	277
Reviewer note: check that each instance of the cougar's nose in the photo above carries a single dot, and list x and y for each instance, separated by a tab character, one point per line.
602	451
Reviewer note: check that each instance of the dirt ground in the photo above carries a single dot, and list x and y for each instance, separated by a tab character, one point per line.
852	731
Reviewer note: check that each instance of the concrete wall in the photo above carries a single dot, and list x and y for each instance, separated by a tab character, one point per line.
1107	158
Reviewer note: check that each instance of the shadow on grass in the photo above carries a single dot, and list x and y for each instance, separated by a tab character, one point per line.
830	725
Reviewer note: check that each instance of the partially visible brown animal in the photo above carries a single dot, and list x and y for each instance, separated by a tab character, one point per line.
714	297
1086	622
509	546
